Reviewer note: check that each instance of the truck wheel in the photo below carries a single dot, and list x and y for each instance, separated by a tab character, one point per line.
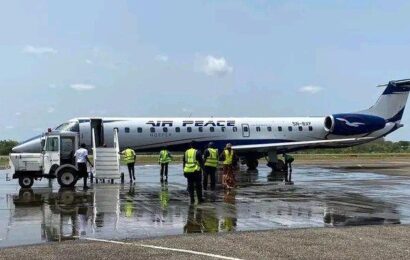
67	177
26	181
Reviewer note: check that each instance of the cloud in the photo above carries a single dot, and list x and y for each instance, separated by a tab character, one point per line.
310	89
89	61
18	114
39	50
51	110
214	66
82	87
9	127
163	58
53	86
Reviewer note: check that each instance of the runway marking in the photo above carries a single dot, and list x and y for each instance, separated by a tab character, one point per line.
162	248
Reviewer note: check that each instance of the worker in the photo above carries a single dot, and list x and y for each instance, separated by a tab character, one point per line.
81	156
229	160
129	157
288	166
165	158
210	165
192	164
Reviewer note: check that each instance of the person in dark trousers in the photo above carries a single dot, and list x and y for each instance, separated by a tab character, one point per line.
129	157
165	158
288	163
81	156
210	166
192	165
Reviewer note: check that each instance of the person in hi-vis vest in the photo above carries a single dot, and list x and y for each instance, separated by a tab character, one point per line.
210	166
129	157
229	159
192	164
165	158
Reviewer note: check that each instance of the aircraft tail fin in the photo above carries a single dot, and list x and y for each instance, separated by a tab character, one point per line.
392	102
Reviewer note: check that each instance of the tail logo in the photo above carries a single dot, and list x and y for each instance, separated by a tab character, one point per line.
352	124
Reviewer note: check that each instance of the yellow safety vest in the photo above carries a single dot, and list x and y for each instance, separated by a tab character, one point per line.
191	164
212	160
129	156
164	157
228	157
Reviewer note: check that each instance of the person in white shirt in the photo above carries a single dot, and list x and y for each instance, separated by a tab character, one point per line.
81	156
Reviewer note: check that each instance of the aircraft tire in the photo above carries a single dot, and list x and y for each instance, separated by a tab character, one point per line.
280	166
26	181
252	164
67	177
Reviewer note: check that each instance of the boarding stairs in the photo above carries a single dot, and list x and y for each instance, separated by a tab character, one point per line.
106	160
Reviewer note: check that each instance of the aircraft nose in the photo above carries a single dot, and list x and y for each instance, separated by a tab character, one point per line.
30	146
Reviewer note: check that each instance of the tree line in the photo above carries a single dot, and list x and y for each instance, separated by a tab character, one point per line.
377	146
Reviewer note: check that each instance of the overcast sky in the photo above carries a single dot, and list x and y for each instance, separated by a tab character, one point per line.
65	59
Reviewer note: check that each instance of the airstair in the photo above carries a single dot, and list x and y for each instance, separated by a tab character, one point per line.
106	160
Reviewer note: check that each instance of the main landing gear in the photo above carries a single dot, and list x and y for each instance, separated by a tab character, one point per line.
278	166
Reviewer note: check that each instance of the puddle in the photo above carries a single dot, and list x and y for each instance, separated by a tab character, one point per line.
319	198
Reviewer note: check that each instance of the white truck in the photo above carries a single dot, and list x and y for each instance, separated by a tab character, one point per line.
55	161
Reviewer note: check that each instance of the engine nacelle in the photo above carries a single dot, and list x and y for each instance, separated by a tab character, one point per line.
353	124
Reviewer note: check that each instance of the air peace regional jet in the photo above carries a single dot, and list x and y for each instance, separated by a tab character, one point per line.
252	138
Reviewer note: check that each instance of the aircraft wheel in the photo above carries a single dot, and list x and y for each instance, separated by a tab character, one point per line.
67	177
252	164
281	166
26	181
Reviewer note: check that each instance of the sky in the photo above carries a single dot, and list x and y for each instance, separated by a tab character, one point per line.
66	59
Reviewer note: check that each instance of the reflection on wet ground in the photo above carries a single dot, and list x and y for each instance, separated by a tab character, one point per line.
320	197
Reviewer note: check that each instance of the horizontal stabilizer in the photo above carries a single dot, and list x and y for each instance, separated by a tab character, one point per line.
299	145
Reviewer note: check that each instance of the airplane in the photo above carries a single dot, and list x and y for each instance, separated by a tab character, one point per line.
251	138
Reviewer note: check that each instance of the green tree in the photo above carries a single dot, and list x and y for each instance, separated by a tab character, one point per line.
6	146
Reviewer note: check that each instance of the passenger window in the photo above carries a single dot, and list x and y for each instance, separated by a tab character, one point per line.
52	144
127	129
212	129
290	129
189	129
269	129
139	130
310	128
279	128
258	129
165	129
235	129
177	129
200	129
223	129
152	130
300	128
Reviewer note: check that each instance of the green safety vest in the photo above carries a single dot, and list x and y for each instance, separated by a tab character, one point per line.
212	160
288	158
191	164
228	157
164	157
129	156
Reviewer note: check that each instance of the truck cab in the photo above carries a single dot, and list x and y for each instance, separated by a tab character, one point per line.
55	161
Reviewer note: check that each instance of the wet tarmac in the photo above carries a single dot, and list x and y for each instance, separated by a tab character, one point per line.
319	198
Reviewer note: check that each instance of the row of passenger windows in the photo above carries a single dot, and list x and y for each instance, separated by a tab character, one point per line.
212	129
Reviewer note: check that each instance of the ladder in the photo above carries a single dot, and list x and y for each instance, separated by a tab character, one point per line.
106	160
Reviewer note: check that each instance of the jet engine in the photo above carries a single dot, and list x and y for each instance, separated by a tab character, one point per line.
353	124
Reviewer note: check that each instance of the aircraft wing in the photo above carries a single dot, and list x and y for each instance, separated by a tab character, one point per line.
298	145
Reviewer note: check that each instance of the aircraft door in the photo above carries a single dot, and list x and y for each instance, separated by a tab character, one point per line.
97	125
51	153
245	130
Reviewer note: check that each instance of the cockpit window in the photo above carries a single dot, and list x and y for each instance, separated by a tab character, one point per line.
73	126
